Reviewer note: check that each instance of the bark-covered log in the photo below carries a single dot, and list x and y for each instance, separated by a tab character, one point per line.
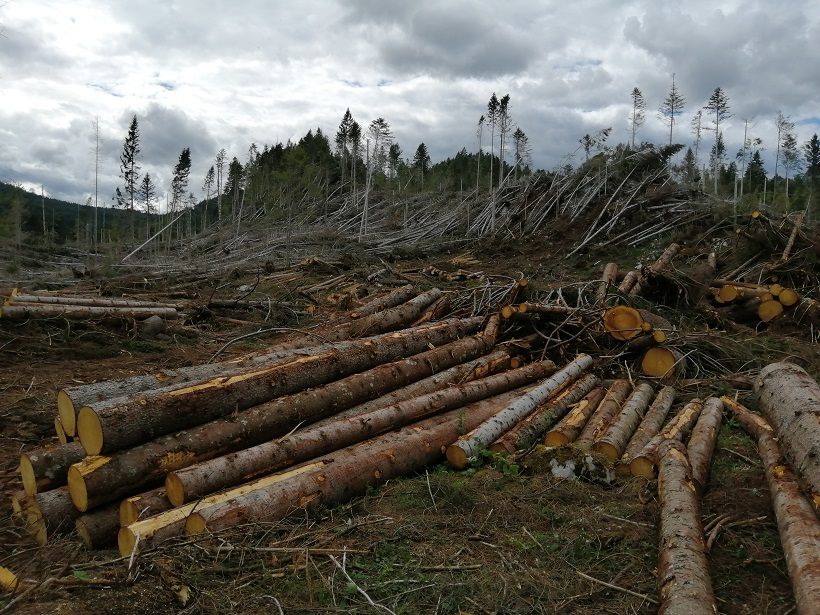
790	400
143	506
101	479
610	275
326	481
629	282
17	299
699	279
98	528
614	439
648	429
532	428
459	453
683	566
46	468
569	428
660	265
82	312
611	404
333	433
702	442
644	463
796	520
48	513
117	424
392	299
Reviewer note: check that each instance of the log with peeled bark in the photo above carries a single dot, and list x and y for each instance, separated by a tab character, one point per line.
614	439
629	282
82	312
16	299
797	523
101	479
459	453
337	477
702	442
610	405
98	528
46	468
143	506
683	565
532	428
119	423
648	429
790	400
608	279
645	462
569	427
333	433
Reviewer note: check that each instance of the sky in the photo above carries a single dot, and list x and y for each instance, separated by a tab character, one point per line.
206	74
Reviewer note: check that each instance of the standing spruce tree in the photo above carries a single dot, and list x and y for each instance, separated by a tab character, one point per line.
394	161
638	115
354	136
479	134
147	194
206	188
378	136
672	107
342	139
718	105
130	169
791	158
492	119
784	126
421	161
755	172
811	156
221	156
504	127
179	183
523	152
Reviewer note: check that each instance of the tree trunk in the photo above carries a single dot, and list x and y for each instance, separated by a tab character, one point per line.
332	434
117	424
608	279
614	439
16	299
573	423
532	428
676	429
702	442
606	411
102	479
48	513
790	399
143	506
663	263
82	312
468	445
629	282
98	529
796	520
392	299
47	467
683	566
648	429
329	480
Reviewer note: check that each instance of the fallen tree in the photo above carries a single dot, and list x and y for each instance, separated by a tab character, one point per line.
611	404
567	430
47	467
702	442
644	463
615	437
82	312
648	429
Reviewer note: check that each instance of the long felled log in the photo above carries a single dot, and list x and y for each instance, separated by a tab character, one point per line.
82	312
17	299
796	520
46	468
644	463
790	399
568	429
611	404
395	297
528	431
613	440
648	429
117	424
48	513
101	479
333	433
98	529
459	453
683	566
143	506
345	473
702	442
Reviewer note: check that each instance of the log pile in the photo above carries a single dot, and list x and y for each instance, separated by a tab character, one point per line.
22	306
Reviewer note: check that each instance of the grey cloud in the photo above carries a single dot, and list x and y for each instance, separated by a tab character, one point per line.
165	131
24	49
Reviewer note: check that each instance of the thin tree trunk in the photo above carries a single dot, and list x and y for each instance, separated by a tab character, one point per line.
648	429
568	429
702	442
606	411
615	437
676	429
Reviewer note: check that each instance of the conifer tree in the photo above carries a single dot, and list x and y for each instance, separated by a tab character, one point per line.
504	127
638	115
179	182
206	188
147	194
718	105
421	161
784	126
130	168
791	158
672	107
219	163
479	134
492	119
342	139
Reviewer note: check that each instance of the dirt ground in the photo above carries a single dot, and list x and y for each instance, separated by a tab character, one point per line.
501	538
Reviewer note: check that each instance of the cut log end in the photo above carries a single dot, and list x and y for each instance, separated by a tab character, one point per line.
77	489
554	439
84	534
195	524
89	430
456	457
58	429
126	541
27	474
607	450
769	310
129	512
727	293
662	362
642	467
788	297
174	489
623	322
507	311
8	580
67	413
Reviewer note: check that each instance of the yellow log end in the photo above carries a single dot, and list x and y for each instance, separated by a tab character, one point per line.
67	413
27	474
126	541
129	511
77	489
659	336
755	214
456	457
555	438
174	489
622	470
195	524
58	428
523	282
507	311
727	293
83	533
659	362
643	467
623	322
769	310
788	297
89	430
775	290
607	450
8	580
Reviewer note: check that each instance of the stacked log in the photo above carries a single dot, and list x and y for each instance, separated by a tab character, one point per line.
745	302
21	306
644	463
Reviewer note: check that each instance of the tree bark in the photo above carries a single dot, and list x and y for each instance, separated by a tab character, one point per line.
102	479
392	299
117	424
332	434
98	529
468	445
46	468
648	429
329	480
143	506
82	312
606	411
702	442
663	263
676	429
790	400
608	279
48	513
568	429
16	299
614	439
532	428
683	566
